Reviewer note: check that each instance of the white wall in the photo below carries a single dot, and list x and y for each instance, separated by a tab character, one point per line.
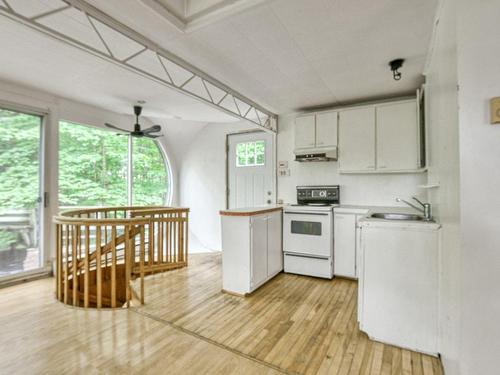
378	190
203	181
443	153
478	31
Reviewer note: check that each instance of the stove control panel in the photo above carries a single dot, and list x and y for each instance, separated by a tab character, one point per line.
329	194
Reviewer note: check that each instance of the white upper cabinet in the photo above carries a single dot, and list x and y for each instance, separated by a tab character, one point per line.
357	139
397	136
326	129
380	138
316	130
305	131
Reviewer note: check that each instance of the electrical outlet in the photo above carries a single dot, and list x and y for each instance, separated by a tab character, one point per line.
495	110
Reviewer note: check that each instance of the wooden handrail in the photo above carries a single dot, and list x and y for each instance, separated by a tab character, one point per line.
100	251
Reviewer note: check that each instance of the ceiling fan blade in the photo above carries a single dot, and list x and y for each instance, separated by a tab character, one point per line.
153	129
152	136
116	127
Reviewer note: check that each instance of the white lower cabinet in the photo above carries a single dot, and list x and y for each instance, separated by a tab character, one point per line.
398	284
252	251
344	263
346	242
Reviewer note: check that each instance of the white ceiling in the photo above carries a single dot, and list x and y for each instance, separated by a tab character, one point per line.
291	54
35	60
284	54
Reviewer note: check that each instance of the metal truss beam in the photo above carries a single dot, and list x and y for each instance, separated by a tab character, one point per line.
161	65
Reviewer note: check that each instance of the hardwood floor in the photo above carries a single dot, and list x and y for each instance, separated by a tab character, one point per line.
292	325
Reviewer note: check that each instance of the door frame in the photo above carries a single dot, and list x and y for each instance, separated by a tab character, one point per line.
274	162
44	185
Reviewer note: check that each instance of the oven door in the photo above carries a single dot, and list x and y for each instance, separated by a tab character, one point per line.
308	233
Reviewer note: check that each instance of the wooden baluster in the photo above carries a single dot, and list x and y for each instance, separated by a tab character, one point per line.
127	256
74	262
160	240
113	266
141	258
187	238
58	262
87	268
181	238
151	239
98	266
66	264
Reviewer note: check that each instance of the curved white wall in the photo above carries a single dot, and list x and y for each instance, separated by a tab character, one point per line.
203	181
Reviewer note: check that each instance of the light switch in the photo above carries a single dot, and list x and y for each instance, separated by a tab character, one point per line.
495	110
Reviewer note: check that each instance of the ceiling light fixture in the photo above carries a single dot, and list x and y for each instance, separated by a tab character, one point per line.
395	65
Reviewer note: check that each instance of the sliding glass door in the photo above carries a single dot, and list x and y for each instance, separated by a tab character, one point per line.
20	202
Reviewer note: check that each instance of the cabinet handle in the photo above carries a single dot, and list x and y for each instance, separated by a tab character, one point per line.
382	166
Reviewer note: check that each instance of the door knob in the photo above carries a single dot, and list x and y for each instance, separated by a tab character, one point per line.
269	192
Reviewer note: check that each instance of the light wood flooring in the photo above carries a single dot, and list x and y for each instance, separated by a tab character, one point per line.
292	325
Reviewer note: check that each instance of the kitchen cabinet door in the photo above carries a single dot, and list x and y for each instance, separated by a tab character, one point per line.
397	136
357	140
258	250
274	244
305	132
344	260
326	129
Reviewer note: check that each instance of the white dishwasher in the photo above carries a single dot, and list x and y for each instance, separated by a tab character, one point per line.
398	283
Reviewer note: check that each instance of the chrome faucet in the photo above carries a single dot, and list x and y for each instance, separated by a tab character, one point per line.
426	207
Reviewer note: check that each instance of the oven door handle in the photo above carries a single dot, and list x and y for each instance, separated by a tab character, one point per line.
306	213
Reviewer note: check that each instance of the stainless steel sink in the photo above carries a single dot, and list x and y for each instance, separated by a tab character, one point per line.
406	217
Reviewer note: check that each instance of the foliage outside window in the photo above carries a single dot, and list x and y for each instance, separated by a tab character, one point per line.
250	154
93	168
19	180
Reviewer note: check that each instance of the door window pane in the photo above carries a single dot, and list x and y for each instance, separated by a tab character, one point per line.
151	184
92	166
19	192
306	227
250	154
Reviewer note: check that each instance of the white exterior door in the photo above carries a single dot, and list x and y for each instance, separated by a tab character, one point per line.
251	175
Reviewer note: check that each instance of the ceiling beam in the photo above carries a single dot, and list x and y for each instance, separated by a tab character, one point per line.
264	118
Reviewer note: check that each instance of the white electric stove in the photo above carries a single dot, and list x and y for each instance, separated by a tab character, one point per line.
308	231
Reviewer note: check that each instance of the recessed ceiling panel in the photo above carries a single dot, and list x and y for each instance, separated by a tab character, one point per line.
32	8
149	62
76	25
120	46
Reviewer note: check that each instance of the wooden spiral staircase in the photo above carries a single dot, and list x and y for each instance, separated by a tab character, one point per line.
100	251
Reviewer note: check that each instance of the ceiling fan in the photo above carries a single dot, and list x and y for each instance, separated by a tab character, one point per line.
138	132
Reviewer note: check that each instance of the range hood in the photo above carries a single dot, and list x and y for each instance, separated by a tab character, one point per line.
316	154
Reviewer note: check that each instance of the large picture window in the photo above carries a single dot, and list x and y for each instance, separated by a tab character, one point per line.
93	165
